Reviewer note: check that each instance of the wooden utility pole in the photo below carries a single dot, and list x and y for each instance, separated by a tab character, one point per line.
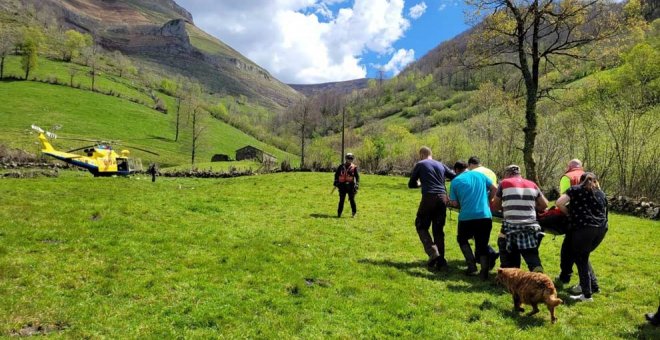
343	128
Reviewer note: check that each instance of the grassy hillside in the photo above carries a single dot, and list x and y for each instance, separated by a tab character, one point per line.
244	258
92	115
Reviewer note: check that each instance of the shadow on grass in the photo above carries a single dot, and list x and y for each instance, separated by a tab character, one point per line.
459	282
525	321
452	273
643	331
322	216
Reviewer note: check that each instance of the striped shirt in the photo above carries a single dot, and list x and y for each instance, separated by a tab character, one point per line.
518	200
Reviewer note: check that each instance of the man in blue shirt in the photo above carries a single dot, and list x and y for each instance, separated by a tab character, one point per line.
430	175
472	191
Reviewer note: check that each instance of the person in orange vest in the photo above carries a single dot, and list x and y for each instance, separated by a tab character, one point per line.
571	177
347	180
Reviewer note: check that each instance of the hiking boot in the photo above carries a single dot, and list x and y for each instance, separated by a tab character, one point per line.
577	289
653	319
484	261
581	298
539	269
441	265
469	260
353	216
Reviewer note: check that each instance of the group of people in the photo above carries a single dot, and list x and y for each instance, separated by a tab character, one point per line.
581	212
475	191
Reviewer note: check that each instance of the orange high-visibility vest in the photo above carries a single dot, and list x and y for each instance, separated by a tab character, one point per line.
347	175
574	175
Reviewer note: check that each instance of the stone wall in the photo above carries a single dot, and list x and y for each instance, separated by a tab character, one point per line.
637	207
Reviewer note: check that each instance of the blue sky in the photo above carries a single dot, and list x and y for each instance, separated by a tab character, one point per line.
315	41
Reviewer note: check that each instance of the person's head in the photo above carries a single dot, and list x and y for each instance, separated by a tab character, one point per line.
425	152
460	167
511	171
574	164
589	181
349	157
473	162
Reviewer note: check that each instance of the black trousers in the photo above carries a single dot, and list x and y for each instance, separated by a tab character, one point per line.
343	191
566	260
584	240
432	211
511	259
479	229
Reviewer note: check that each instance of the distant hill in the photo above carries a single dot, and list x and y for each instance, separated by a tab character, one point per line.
163	34
342	87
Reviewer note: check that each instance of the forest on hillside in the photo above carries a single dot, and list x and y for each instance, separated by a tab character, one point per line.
596	101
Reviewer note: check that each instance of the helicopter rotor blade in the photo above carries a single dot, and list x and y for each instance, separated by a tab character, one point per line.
38	129
141	149
82	139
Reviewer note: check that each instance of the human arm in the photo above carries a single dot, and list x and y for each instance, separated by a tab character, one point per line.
541	202
564	184
453	198
562	203
357	178
336	182
496	203
413	182
449	173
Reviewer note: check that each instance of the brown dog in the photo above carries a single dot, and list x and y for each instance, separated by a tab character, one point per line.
529	288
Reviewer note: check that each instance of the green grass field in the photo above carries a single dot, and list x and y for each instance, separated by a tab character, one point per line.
264	257
92	115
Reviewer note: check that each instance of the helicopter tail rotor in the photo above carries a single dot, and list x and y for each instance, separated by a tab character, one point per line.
40	130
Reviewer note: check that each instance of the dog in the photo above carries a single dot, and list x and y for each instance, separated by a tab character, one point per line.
529	288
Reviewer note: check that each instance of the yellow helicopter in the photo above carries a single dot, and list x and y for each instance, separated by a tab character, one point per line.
99	159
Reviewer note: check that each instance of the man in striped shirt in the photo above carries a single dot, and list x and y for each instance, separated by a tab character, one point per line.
521	234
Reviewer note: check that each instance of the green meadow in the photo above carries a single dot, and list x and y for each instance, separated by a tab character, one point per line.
85	114
265	257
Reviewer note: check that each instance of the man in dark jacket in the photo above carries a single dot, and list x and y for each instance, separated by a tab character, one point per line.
347	180
430	175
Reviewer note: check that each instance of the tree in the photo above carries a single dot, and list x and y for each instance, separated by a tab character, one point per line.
330	104
303	111
529	34
74	43
123	63
91	56
30	45
7	43
196	118
73	70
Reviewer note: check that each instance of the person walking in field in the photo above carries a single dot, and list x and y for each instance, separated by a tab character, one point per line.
430	175
521	234
347	180
474	164
472	191
588	215
570	178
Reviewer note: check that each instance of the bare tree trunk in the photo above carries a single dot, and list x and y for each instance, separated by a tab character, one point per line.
178	109
194	137
302	145
27	71
93	77
2	67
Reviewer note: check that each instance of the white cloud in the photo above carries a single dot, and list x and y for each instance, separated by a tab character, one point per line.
399	60
302	41
418	10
